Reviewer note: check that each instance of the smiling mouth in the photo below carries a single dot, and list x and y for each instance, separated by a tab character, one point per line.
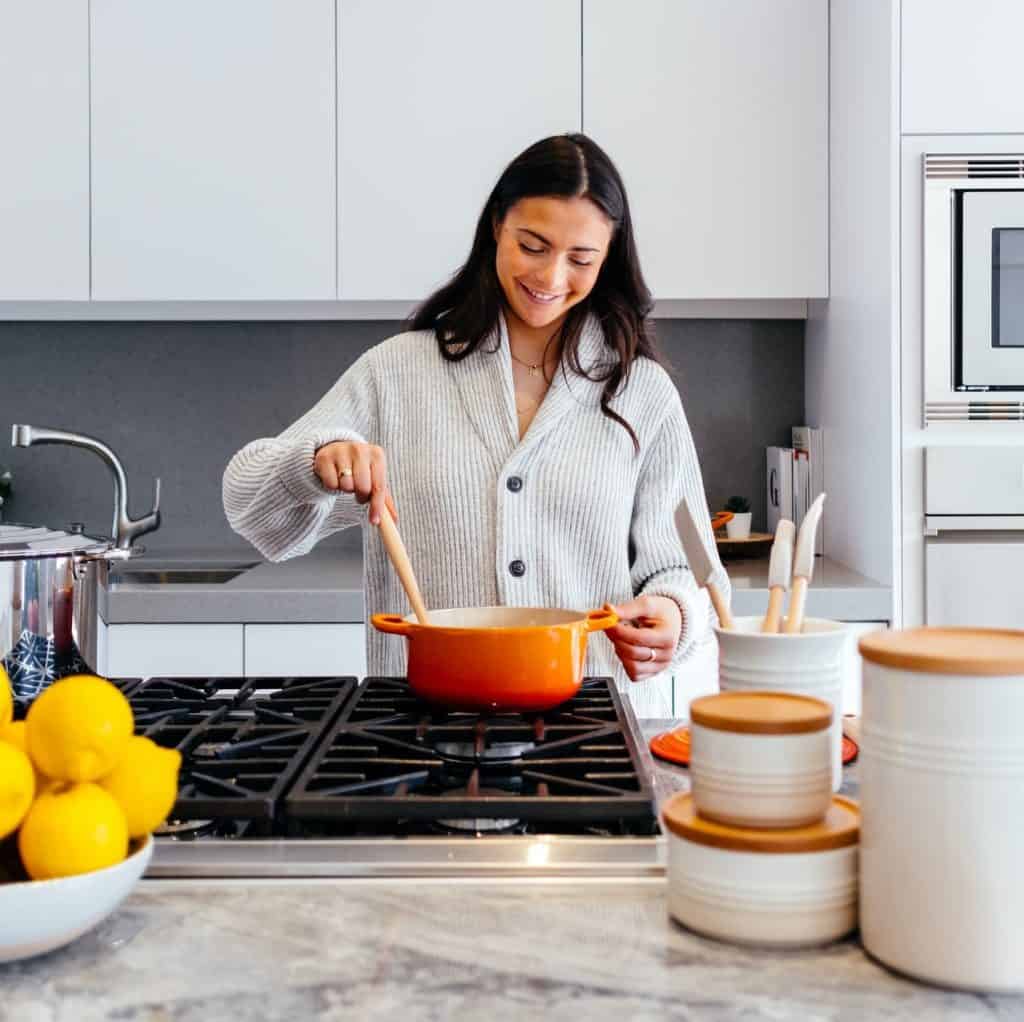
539	297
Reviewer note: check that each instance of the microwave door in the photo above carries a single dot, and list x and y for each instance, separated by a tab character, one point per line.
991	335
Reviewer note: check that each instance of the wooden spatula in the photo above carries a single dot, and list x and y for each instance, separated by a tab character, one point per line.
403	568
700	562
803	566
779	570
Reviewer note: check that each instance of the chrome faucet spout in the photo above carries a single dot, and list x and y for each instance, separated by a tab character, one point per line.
125	530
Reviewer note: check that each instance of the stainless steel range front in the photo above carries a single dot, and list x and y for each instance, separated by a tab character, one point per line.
303	777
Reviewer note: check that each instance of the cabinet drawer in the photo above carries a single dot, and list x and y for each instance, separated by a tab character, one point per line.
974	480
305	650
974	582
188	651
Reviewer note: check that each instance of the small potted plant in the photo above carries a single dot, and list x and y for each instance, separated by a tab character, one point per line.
738	527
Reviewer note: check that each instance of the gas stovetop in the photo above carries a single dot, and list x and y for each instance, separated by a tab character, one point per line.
329	777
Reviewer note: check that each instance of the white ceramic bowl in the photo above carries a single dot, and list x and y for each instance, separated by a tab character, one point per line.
808	663
39	915
763	899
750	779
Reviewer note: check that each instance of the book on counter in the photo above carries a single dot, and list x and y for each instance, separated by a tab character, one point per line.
796	475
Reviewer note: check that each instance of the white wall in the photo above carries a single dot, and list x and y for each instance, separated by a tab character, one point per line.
850	361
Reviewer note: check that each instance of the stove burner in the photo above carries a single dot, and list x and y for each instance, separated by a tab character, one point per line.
471	752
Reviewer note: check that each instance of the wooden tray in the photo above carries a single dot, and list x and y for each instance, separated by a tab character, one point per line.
757	544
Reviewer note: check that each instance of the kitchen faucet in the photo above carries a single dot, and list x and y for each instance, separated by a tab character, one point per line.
125	530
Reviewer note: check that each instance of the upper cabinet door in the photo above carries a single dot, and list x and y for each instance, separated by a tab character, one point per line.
434	99
717	116
213	149
960	66
44	153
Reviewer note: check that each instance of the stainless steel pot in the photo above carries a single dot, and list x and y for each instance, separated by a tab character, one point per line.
50	579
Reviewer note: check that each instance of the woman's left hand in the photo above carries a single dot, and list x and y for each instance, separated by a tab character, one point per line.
647	634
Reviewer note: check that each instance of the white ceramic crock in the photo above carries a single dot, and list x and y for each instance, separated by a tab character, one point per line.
761	759
778	899
942	785
808	663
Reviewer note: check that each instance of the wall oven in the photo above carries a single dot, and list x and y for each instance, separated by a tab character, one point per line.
974	288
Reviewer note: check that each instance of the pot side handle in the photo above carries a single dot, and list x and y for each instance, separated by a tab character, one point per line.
599	620
393	624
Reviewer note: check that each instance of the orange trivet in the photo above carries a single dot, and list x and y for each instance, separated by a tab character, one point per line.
674	746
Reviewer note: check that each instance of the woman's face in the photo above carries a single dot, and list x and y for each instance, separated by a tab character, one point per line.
550	251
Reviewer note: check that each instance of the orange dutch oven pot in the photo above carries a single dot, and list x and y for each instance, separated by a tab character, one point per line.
497	659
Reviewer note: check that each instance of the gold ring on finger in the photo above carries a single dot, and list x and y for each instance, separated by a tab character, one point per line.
651	654
345	472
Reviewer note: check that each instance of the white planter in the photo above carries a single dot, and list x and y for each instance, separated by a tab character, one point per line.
942	783
738	527
808	663
766	899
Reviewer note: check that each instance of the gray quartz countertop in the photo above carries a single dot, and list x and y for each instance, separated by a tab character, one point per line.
443	949
326	586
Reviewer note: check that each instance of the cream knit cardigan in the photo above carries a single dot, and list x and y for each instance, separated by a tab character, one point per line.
590	520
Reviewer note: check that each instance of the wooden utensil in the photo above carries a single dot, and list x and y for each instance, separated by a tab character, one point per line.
803	566
779	570
400	560
700	561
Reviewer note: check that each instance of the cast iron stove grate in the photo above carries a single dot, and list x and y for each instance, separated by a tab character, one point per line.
242	740
390	756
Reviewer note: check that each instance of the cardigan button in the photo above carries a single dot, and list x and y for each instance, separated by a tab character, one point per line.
517	568
514	483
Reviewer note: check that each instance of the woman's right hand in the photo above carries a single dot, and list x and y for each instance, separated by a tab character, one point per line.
356	468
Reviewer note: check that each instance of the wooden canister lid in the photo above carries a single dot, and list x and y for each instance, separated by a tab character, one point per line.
839	829
969	651
761	713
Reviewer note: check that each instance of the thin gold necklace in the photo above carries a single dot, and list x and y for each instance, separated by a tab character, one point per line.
534	368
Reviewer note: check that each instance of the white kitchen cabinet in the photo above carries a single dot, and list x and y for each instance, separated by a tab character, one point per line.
434	99
960	66
305	650
180	651
44	166
213	133
716	114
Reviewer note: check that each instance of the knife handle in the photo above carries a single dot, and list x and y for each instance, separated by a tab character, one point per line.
774	616
721	607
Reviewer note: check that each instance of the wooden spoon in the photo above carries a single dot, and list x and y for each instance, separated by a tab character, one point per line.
400	560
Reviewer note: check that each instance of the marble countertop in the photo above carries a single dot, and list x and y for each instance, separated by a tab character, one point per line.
441	949
326	586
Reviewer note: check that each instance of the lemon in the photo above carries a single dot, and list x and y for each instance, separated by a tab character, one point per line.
78	728
70	829
145	784
6	698
17	787
15	734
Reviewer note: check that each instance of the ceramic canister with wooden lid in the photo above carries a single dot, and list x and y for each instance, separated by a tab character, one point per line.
942	792
761	759
768	888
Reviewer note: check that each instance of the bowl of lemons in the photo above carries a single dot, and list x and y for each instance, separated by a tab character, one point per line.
80	794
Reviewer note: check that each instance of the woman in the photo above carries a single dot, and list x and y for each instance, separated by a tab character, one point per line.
523	426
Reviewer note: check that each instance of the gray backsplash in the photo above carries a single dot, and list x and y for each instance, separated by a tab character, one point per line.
178	399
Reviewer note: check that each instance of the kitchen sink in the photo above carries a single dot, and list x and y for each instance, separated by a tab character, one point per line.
205	576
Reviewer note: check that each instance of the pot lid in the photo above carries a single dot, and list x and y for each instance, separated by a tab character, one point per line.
21	542
761	713
967	651
839	829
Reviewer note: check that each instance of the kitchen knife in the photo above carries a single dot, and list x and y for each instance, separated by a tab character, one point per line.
803	565
779	571
700	561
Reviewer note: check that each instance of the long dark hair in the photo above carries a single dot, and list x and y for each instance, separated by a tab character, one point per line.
464	312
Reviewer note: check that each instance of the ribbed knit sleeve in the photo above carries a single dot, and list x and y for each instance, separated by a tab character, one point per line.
671	472
271	494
